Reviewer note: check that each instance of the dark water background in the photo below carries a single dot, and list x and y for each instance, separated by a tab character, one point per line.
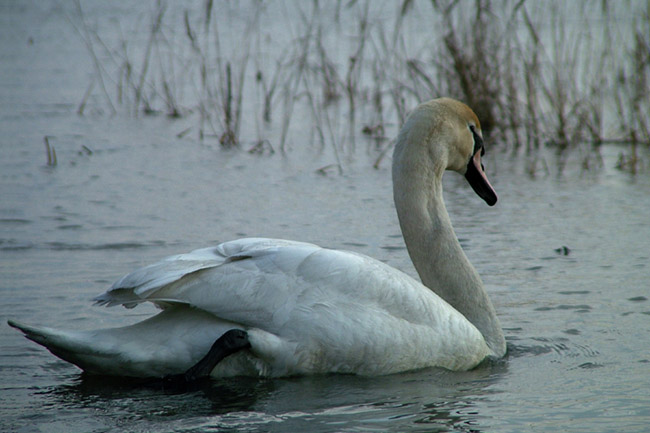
577	324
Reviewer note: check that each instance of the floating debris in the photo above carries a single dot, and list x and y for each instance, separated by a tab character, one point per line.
563	250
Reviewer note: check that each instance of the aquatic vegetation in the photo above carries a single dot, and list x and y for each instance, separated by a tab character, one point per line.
50	153
565	75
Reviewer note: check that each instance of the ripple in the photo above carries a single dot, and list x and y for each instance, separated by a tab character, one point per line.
574	292
355	244
15	221
64	246
582	308
393	248
590	365
14	245
562	347
70	227
518	350
573	307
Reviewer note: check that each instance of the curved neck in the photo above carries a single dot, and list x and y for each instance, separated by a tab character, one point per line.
432	244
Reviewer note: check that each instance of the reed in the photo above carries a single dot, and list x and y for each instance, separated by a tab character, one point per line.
351	70
50	153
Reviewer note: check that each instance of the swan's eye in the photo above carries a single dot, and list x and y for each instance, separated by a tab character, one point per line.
478	141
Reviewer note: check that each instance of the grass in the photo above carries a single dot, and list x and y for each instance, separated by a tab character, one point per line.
254	74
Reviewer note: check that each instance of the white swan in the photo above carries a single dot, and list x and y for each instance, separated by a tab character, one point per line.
305	309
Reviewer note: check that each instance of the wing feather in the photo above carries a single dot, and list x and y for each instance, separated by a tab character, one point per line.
282	286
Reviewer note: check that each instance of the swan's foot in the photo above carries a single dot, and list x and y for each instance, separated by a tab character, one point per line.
230	342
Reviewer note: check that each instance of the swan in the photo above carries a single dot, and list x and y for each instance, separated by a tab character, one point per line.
270	307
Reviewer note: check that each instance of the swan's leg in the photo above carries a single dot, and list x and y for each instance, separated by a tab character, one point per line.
230	342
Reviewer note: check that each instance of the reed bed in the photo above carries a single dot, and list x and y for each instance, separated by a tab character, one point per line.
256	75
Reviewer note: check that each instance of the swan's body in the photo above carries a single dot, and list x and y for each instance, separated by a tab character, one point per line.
307	309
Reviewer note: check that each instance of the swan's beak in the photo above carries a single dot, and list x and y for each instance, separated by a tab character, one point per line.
479	181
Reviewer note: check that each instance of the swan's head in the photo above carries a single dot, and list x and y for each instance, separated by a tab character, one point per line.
451	135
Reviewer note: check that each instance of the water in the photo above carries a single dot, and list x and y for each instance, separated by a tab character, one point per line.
576	319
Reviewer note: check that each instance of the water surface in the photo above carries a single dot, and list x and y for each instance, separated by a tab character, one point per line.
565	259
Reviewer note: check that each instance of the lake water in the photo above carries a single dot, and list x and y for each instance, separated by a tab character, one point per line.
565	258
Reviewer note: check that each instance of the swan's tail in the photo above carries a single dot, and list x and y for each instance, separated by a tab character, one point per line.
168	343
76	347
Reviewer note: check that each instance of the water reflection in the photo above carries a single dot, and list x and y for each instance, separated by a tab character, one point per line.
151	401
430	400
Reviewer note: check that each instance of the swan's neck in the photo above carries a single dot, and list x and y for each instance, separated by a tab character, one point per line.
433	247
